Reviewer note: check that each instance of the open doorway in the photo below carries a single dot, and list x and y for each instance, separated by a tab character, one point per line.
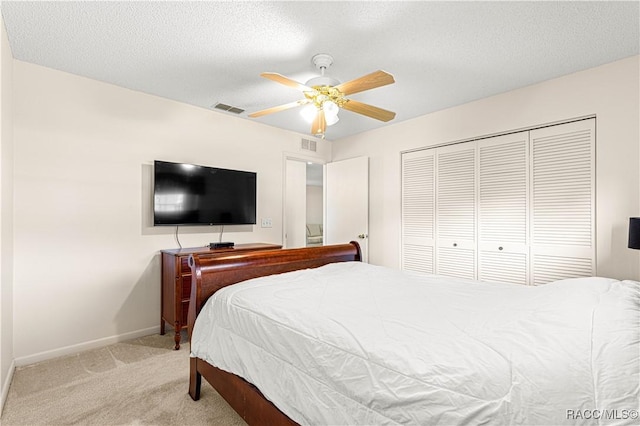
315	205
304	204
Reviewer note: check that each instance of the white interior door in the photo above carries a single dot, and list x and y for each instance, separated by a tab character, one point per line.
347	203
456	210
418	211
295	204
503	206
563	201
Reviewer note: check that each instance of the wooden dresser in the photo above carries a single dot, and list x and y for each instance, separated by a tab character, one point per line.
176	282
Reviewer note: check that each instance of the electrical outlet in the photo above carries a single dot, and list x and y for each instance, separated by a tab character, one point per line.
266	222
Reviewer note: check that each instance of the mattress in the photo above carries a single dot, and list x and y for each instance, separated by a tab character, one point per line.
352	343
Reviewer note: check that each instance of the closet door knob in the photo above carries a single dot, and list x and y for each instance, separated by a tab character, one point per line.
499	248
455	244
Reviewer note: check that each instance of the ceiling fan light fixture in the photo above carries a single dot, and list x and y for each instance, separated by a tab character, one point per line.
330	112
325	96
330	108
308	113
332	120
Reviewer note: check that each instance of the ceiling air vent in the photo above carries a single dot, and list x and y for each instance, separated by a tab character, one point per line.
308	144
228	108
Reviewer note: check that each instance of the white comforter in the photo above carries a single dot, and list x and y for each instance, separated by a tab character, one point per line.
351	343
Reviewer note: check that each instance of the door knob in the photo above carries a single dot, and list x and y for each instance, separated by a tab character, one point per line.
362	236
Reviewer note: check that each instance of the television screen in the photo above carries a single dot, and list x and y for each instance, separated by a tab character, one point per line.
187	194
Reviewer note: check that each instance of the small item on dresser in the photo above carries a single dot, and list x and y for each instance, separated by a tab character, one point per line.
220	245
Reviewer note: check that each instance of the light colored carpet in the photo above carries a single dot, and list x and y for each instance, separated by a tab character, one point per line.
138	382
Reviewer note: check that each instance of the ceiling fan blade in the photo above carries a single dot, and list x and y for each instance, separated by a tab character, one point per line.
279	78
369	81
368	110
278	108
319	124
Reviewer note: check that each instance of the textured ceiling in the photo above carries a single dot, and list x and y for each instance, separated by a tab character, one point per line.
441	54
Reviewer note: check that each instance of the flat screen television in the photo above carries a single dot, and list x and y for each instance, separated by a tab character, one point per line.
188	194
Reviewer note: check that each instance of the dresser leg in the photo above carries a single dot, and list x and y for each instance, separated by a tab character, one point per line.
162	331
177	336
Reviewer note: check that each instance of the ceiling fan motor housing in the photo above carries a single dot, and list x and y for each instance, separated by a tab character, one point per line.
322	81
322	61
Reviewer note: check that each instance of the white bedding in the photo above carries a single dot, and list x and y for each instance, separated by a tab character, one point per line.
351	343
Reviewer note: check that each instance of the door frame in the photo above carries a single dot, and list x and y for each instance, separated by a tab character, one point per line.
306	159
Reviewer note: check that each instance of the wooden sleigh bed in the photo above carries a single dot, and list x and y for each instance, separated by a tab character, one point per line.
210	275
332	340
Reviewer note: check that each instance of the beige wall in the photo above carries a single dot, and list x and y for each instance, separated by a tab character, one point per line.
611	92
6	214
315	204
87	268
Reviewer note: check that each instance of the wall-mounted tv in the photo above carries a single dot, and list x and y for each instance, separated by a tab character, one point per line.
188	194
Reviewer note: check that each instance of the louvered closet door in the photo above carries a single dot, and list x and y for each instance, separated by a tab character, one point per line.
503	174
418	211
563	201
456	210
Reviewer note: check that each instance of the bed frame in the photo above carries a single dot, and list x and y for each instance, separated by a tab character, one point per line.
210	275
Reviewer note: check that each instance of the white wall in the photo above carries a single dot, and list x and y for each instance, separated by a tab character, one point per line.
315	204
87	270
87	267
611	92
6	214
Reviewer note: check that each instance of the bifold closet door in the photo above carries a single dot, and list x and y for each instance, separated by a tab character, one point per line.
456	210
563	201
418	211
517	208
503	179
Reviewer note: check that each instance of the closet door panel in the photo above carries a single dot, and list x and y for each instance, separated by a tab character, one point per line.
563	201
503	266
418	211
548	268
456	210
503	182
418	258
456	262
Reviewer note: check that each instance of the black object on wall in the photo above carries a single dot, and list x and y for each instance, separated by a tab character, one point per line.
634	233
188	194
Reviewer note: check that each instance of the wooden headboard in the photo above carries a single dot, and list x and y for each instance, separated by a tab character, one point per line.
210	274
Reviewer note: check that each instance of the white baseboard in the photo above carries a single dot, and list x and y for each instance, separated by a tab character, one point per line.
6	385
80	347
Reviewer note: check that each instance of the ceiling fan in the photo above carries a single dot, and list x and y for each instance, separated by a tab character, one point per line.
324	96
